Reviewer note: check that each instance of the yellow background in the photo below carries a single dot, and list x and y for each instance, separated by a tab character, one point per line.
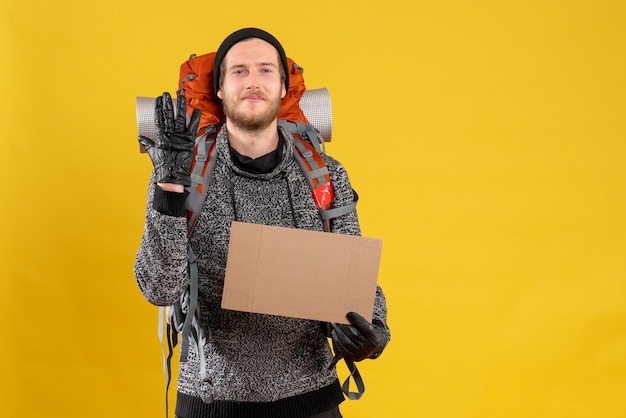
485	138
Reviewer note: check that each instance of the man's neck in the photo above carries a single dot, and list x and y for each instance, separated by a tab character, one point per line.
253	144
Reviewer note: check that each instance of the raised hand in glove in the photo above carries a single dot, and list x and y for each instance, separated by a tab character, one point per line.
172	150
359	340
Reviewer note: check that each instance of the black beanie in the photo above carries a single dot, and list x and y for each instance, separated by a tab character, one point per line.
239	36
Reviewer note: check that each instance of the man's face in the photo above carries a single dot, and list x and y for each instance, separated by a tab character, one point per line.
252	88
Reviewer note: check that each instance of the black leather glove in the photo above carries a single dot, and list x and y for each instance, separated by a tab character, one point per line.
172	151
358	341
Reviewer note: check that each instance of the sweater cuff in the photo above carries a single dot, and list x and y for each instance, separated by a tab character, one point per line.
169	203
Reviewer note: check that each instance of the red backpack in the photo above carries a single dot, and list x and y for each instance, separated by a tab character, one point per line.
196	83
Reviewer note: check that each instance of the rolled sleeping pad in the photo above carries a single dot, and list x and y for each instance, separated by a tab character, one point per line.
315	105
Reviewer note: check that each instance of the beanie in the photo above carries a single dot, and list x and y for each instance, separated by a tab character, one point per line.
239	36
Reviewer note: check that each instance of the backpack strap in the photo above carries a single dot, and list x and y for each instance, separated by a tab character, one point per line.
178	318
201	169
358	381
309	147
171	336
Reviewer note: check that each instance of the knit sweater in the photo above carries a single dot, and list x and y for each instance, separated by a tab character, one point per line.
259	365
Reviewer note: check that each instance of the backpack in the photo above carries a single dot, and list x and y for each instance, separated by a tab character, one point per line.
196	84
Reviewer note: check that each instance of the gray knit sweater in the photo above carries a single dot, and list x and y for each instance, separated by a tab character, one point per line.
259	365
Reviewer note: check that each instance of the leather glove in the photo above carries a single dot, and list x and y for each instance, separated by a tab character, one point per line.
172	151
358	341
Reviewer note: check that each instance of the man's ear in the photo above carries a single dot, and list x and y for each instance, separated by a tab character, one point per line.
283	92
219	94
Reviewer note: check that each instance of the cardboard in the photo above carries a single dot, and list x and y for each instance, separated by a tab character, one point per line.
299	273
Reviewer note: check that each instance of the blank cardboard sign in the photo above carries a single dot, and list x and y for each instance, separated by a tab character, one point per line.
299	273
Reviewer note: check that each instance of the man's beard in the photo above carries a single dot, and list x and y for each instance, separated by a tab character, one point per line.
251	122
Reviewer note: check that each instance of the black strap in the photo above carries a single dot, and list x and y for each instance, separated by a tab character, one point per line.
172	341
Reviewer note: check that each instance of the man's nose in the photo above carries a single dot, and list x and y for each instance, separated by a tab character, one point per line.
252	80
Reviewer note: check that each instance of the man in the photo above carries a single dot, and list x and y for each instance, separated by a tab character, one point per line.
258	365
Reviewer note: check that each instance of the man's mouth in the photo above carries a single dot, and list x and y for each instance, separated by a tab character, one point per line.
254	98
